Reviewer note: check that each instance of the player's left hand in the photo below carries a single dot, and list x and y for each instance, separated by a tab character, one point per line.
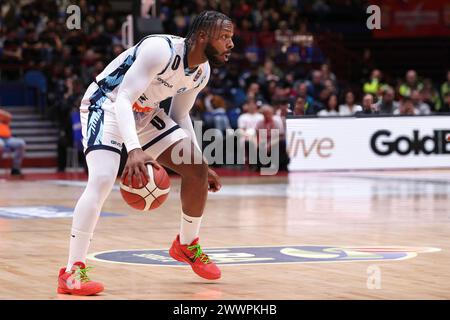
214	184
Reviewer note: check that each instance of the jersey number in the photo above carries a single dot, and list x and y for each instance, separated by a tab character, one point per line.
176	62
158	123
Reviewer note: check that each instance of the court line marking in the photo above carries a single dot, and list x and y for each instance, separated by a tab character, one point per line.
395	178
409	255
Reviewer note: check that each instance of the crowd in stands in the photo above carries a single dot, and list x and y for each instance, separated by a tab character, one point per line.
276	69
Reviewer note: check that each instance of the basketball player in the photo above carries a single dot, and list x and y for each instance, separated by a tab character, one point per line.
122	106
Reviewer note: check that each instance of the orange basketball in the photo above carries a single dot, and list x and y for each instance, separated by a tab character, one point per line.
154	192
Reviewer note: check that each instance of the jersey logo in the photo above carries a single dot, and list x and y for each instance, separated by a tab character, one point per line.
139	108
142	98
199	73
164	82
181	90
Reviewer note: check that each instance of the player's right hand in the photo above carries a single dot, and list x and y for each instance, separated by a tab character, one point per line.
136	166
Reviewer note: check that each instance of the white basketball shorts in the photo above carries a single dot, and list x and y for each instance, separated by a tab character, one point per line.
156	130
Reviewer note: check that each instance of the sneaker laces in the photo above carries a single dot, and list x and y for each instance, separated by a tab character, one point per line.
199	253
81	274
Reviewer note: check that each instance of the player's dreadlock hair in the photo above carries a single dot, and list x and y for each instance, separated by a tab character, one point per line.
206	21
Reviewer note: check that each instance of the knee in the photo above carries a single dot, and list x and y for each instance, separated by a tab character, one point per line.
22	145
19	147
103	181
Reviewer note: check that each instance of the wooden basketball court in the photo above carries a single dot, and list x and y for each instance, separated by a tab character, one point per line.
333	234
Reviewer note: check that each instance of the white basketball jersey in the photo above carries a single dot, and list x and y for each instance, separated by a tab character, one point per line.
173	79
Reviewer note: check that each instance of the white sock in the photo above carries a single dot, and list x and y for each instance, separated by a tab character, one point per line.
103	166
79	245
190	227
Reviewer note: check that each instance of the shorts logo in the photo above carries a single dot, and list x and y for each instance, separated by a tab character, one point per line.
116	143
268	255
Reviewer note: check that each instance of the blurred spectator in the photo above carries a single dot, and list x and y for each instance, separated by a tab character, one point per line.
269	72
300	106
387	104
281	91
266	37
8	142
445	87
349	108
367	64
11	55
331	109
327	74
289	80
322	101
248	76
316	85
282	111
302	91
321	7
294	60
430	95
283	35
374	83
419	105
446	105
246	34
69	103
31	47
302	36
254	92
411	83
329	85
219	114
368	106
269	123
247	121
406	108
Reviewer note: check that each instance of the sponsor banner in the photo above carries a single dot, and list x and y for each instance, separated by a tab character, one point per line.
267	255
368	143
413	18
44	212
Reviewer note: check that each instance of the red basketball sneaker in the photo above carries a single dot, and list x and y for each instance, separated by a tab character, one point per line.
193	254
77	282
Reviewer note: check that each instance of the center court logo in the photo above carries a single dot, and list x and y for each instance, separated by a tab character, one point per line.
267	255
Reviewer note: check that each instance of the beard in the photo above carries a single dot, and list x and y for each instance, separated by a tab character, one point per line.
212	55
